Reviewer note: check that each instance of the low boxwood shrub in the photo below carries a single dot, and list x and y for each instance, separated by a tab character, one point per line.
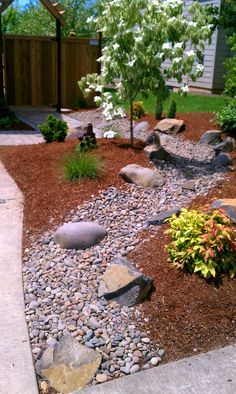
81	166
202	242
88	141
53	129
226	118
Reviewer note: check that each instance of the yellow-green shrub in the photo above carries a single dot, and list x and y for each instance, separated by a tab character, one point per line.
202	242
138	109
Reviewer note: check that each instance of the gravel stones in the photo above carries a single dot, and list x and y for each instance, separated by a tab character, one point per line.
142	176
211	137
170	126
64	282
81	235
70	366
125	284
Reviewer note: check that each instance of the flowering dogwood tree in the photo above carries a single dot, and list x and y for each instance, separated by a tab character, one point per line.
147	42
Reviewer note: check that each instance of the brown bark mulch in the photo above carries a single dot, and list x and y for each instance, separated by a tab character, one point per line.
186	313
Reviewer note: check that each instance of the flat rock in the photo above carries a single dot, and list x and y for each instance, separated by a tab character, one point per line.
222	160
160	218
228	145
157	153
123	283
189	185
229	206
211	137
80	235
170	126
141	176
71	366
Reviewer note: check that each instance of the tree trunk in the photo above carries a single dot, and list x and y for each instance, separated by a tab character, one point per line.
131	124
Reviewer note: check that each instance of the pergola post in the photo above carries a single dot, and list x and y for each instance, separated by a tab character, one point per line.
1	64
58	40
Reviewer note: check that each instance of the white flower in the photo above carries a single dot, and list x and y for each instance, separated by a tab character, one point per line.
131	63
97	100
90	19
191	23
177	59
190	53
178	45
87	90
109	134
167	45
116	46
184	89
199	68
99	88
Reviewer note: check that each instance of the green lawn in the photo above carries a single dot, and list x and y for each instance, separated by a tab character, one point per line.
189	103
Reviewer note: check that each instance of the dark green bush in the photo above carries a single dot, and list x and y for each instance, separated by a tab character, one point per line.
53	129
158	109
226	117
230	66
172	109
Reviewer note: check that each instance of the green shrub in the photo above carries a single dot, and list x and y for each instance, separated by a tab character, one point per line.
230	66
172	109
226	117
8	121
81	166
53	129
138	109
87	144
202	242
158	109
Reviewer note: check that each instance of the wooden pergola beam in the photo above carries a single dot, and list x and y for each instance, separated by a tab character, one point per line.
54	10
4	4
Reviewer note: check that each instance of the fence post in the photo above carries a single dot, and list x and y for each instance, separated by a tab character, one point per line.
99	64
58	28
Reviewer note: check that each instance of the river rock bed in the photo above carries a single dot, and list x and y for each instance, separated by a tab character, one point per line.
61	285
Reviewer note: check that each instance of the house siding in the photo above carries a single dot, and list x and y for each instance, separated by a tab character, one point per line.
214	55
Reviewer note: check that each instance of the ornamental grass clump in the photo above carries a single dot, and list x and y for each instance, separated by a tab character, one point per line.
79	166
203	243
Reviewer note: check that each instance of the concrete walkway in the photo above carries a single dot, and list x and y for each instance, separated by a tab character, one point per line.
17	374
33	117
209	373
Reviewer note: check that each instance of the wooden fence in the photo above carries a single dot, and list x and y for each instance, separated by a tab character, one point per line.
30	68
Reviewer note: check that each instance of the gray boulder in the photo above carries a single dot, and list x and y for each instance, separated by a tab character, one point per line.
211	137
157	153
77	132
141	130
80	235
153	139
70	366
123	283
170	126
229	206
141	176
222	160
228	145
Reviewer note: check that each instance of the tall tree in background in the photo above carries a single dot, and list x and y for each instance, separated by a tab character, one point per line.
227	20
34	19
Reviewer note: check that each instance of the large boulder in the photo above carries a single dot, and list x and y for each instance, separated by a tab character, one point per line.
211	137
80	235
141	130
70	366
141	176
123	283
170	126
229	206
228	145
157	153
222	160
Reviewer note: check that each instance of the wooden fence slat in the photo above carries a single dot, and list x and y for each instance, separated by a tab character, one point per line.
31	69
